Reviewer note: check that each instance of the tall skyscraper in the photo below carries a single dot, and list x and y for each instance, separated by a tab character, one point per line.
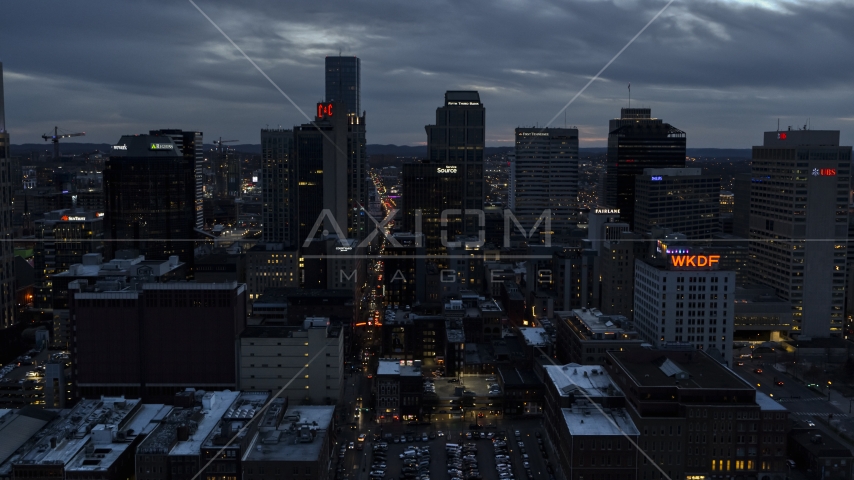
681	199
191	146
637	141
150	192
546	175
457	139
7	260
330	160
278	211
430	188
343	83
799	225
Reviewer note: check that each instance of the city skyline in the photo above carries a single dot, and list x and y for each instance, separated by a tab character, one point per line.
722	83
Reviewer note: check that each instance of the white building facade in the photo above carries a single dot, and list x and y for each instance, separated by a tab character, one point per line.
686	301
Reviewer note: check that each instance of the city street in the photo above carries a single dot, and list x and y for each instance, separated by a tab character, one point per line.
804	403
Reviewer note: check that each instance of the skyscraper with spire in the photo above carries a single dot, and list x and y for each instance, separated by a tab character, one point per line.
7	264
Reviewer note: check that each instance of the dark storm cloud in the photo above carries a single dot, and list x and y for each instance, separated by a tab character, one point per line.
723	71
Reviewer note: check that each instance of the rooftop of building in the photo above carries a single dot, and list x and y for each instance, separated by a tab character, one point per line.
684	369
595	325
462	95
74	431
108	444
247	406
264	331
214	406
403	316
297	296
828	342
514	377
588	380
590	421
801	138
93	265
535	336
388	367
454	332
273	247
17	427
753	293
299	437
162	438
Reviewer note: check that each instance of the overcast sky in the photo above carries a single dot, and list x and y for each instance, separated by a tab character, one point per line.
723	71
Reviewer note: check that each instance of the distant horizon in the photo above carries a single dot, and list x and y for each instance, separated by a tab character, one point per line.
47	145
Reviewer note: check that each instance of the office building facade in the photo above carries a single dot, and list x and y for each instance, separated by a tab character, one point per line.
330	159
681	199
457	139
273	357
7	263
343	83
150	190
191	146
63	237
157	340
428	190
546	176
799	225
271	265
637	141
685	301
278	173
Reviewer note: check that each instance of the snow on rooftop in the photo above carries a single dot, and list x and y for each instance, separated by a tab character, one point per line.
206	425
535	336
388	367
592	379
594	422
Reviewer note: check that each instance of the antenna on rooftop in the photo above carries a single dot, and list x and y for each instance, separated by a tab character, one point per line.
630	94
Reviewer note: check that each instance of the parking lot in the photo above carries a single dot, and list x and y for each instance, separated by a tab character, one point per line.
474	458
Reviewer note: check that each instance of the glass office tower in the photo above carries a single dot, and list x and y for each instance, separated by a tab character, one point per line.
343	83
457	139
637	141
150	198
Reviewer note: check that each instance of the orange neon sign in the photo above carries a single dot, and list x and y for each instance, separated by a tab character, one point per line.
694	260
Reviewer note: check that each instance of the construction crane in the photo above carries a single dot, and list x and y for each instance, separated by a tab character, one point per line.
55	139
221	141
